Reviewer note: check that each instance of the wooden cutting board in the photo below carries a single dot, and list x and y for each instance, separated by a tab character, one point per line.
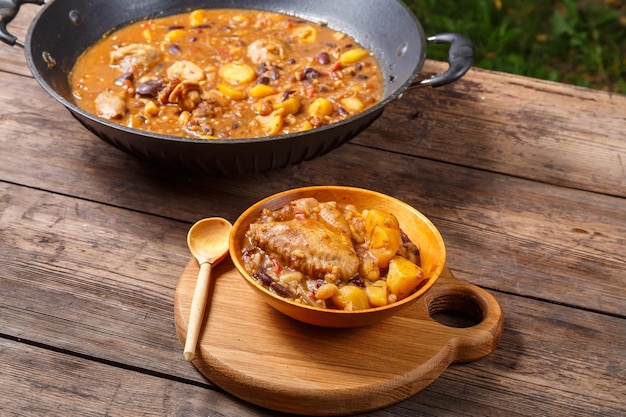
261	356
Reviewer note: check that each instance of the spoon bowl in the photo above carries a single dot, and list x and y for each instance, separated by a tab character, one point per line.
208	241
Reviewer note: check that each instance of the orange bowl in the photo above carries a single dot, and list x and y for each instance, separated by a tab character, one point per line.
417	227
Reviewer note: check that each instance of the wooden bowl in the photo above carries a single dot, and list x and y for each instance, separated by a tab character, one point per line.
417	226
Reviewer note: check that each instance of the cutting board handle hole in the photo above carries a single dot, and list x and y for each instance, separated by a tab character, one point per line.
456	310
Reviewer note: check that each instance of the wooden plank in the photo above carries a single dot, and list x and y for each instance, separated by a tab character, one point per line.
473	208
545	131
551	360
515	125
501	216
36	382
319	371
75	272
98	281
13	59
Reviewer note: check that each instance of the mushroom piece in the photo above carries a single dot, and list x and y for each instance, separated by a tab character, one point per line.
187	95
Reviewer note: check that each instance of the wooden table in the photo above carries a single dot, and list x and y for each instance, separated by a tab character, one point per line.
526	180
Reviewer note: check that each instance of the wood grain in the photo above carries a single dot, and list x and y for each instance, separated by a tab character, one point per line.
519	126
109	296
524	178
264	357
524	249
514	125
38	381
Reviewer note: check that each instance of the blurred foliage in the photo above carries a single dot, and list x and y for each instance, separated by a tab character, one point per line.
581	42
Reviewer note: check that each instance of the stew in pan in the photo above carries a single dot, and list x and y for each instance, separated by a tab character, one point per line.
226	73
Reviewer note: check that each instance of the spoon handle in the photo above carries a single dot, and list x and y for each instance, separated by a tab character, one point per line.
196	313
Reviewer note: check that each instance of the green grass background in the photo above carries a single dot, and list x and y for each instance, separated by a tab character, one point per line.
581	42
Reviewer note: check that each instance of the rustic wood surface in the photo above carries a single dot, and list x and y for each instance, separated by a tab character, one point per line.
309	370
525	179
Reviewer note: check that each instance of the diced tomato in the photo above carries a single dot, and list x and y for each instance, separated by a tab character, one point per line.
276	268
335	67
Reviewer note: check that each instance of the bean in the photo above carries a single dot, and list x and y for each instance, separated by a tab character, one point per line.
127	76
265	279
287	94
173	49
262	69
323	58
310	73
150	88
326	291
263	80
357	280
274	74
280	290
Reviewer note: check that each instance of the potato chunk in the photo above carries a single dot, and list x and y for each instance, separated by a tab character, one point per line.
321	107
305	34
262	90
403	277
185	71
383	234
231	92
237	72
352	104
352	56
273	123
351	297
291	105
378	293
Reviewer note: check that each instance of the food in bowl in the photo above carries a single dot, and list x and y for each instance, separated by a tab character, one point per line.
330	255
226	73
417	227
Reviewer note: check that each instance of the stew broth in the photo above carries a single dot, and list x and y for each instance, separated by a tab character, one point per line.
226	73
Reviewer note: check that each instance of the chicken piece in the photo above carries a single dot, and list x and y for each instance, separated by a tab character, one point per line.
137	58
308	205
333	218
110	105
267	51
308	247
327	213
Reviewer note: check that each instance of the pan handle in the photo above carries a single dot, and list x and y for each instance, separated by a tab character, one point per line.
8	10
460	59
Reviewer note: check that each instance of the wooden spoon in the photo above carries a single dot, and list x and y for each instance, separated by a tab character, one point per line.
208	243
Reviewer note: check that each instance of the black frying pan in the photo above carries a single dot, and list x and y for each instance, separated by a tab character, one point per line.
65	28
